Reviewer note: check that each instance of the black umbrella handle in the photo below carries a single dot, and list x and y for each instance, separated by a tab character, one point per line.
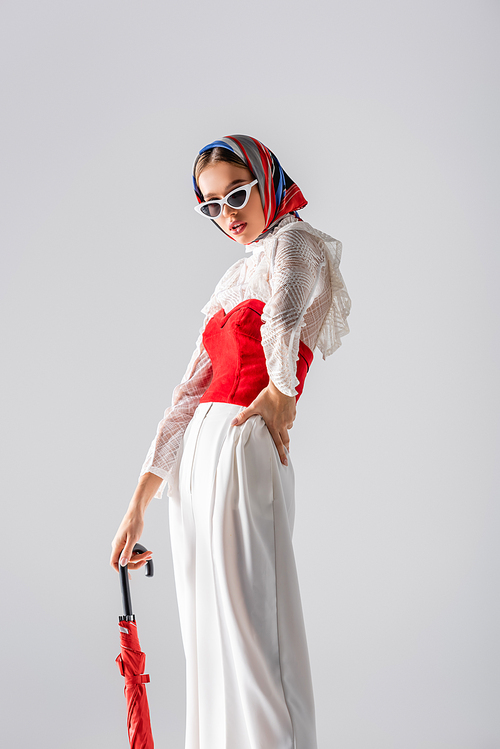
124	583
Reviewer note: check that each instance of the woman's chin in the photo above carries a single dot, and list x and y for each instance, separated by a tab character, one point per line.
243	238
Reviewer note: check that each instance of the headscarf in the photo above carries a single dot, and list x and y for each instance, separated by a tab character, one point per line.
279	194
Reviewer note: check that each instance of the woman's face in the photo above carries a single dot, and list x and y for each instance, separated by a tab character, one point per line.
216	181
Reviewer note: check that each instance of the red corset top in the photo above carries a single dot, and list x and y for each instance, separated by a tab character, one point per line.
234	345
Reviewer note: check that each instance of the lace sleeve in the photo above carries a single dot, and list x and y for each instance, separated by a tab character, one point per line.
163	452
299	274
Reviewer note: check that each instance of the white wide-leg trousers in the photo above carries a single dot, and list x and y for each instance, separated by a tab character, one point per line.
248	678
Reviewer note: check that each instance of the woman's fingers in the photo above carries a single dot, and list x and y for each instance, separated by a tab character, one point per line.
285	437
278	412
243	416
281	438
121	556
126	554
279	445
117	554
139	560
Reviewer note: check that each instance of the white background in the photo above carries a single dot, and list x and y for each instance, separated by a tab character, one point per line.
387	116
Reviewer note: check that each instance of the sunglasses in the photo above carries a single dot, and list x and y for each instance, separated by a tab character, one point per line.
237	198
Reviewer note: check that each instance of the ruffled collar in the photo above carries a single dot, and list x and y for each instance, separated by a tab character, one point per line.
261	244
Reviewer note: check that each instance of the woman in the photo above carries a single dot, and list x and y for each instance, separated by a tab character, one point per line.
223	449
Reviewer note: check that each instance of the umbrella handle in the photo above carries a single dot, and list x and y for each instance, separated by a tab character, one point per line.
124	583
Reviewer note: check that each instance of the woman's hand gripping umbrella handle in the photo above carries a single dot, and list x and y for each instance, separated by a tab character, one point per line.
124	584
131	527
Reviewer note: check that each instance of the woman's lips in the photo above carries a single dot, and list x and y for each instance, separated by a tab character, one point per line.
238	228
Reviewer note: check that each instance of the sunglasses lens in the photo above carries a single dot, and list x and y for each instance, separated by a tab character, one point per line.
237	199
211	210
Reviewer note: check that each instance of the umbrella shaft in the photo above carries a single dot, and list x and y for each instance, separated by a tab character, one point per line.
127	601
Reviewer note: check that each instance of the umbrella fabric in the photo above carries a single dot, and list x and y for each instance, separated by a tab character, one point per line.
131	663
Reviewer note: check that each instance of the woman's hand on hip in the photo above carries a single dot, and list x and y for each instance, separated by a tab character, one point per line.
278	411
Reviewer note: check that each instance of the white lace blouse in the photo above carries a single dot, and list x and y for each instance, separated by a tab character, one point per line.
295	271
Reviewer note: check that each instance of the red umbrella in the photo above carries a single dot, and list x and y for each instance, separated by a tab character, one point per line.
131	663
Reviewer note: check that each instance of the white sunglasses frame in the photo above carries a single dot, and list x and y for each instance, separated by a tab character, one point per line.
247	188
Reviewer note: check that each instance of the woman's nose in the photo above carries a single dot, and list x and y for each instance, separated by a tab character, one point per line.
230	211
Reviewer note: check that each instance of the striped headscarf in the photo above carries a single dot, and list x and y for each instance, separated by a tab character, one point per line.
279	194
